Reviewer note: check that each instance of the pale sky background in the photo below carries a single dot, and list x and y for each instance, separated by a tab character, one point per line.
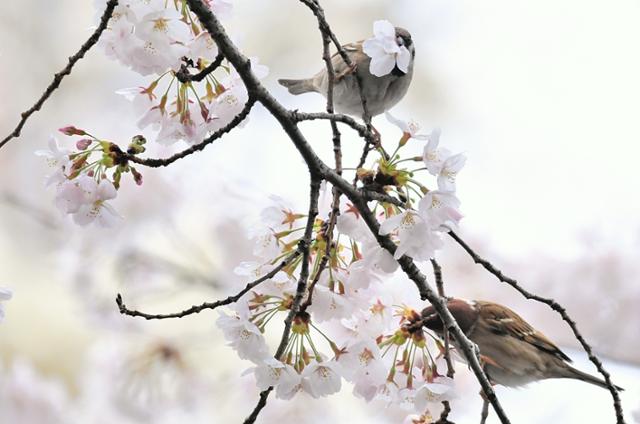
543	97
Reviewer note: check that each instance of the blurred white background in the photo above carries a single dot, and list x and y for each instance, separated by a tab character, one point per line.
542	96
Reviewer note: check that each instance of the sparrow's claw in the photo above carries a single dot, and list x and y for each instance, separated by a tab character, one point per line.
350	69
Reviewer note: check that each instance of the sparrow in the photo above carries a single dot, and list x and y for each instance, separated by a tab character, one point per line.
381	93
512	351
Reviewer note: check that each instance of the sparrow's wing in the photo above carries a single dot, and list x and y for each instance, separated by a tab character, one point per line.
502	320
340	67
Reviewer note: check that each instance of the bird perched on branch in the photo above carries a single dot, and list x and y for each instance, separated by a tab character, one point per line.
383	63
512	351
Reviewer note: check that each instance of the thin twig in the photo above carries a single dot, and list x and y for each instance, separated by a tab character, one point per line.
384	198
207	305
336	117
337	155
304	246
437	275
262	402
158	162
485	411
556	307
57	78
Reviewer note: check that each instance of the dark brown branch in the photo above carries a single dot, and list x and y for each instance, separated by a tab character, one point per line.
556	307
317	167
336	117
157	163
305	243
207	305
437	275
337	154
57	78
380	197
323	265
183	74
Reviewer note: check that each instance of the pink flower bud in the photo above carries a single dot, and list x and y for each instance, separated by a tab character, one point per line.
71	130
83	144
137	177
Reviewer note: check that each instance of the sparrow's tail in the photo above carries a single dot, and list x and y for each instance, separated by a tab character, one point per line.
298	86
579	375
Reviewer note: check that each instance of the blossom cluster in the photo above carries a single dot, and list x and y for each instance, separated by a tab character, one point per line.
354	324
87	177
157	37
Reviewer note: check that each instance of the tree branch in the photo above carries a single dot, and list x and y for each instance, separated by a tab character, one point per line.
262	402
57	78
207	305
437	275
318	168
384	198
335	117
183	74
157	163
556	307
301	288
337	154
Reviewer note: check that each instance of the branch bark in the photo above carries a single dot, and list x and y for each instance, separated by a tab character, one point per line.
437	275
207	305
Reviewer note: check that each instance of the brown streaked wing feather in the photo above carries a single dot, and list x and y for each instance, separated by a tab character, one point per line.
503	320
340	68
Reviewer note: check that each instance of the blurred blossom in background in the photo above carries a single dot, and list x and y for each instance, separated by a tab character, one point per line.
542	98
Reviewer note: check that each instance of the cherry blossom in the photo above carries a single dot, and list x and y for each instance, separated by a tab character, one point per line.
328	304
409	128
322	378
450	168
363	366
95	208
384	51
58	159
73	194
433	155
431	392
243	336
273	373
440	208
415	238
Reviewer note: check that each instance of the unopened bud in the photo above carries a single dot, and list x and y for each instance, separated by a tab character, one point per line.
71	130
83	144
